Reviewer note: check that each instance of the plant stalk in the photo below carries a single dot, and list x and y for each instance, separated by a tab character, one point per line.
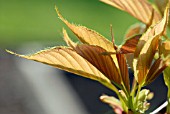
168	99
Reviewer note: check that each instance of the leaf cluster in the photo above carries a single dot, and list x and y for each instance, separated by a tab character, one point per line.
146	50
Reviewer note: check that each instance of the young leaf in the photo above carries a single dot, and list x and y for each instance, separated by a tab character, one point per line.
91	37
161	63
158	66
147	48
164	49
113	102
103	63
135	29
140	9
145	58
161	4
124	70
68	41
133	32
129	46
88	36
153	31
67	59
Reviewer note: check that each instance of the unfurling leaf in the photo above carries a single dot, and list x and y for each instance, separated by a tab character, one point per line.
113	102
147	47
67	59
142	104
145	94
140	9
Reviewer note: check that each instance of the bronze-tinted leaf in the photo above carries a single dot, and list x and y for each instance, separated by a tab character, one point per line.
153	31
140	9
68	60
103	63
149	48
129	46
161	63
124	70
88	36
91	37
145	58
156	69
135	29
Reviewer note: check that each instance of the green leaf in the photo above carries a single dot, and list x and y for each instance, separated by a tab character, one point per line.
166	74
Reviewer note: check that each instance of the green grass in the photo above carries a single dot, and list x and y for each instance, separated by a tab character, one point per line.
36	20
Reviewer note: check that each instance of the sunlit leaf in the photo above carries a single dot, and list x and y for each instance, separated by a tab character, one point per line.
68	41
103	63
147	48
153	31
140	9
68	60
145	58
88	36
161	5
91	37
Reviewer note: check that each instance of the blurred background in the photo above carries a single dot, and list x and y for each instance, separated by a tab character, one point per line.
27	87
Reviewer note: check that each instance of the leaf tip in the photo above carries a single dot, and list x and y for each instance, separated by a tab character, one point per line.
13	53
60	16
